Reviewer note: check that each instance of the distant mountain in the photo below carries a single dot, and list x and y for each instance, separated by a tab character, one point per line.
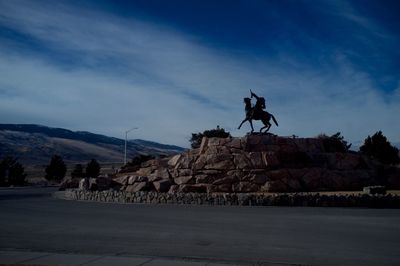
35	144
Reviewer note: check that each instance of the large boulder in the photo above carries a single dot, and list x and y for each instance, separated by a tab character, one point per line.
181	180
123	180
139	186
174	160
226	180
245	187
197	188
137	178
162	185
160	173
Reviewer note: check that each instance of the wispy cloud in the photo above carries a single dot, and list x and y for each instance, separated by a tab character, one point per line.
125	72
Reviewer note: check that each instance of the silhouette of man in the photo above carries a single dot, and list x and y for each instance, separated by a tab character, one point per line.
258	107
258	99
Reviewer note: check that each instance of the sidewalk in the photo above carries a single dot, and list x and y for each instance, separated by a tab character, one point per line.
44	258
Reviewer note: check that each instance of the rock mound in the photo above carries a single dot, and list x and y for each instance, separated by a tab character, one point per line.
257	163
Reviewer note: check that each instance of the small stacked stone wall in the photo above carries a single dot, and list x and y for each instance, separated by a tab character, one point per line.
236	199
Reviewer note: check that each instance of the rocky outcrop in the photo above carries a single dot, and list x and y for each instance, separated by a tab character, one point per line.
257	163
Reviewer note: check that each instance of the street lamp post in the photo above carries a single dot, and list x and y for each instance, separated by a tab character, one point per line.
126	140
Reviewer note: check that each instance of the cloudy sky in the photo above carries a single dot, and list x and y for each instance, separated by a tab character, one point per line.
176	67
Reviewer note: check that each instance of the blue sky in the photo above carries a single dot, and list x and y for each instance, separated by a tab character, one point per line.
176	67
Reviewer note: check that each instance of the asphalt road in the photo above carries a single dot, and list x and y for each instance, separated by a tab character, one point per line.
32	220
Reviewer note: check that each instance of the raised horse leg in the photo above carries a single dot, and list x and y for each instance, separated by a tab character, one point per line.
251	124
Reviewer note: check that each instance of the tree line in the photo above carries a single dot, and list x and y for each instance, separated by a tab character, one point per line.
12	173
57	169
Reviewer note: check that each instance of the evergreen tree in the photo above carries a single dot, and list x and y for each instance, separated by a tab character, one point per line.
11	172
93	169
3	173
56	169
78	171
378	147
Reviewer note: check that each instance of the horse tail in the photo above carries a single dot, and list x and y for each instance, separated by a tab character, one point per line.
273	118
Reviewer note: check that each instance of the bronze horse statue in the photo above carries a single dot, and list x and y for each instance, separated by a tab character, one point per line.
257	113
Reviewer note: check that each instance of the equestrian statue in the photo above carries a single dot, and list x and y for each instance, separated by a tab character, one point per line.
257	112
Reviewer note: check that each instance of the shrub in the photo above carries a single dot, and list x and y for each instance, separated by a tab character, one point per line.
379	148
334	143
218	132
12	173
138	160
93	169
56	169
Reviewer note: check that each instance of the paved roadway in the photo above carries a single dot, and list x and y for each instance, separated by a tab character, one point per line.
31	220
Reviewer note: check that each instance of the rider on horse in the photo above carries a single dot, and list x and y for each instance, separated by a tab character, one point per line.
258	107
258	98
256	112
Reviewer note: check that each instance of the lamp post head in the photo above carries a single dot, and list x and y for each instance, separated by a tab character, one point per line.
131	130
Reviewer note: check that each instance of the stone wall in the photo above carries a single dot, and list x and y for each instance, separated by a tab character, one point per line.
257	163
240	199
